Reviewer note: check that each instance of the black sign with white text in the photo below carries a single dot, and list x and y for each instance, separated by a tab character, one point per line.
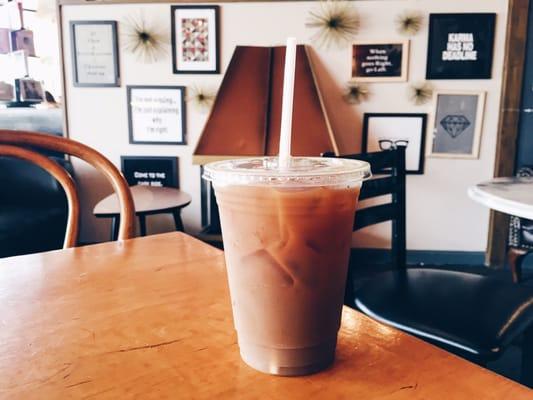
150	171
460	46
379	62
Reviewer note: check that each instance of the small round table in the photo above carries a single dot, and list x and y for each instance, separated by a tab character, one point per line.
513	196
148	200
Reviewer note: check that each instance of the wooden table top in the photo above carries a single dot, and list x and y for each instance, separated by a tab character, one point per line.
512	195
151	318
147	199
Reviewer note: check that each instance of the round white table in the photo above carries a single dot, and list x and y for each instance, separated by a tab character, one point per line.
148	200
513	196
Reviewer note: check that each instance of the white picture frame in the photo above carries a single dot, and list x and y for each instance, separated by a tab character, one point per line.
387	131
456	124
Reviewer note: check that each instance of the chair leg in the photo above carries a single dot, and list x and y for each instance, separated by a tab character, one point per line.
514	258
142	224
177	220
115	223
349	290
527	358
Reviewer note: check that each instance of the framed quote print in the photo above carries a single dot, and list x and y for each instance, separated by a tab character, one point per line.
455	129
150	171
195	39
387	131
380	61
460	46
156	114
95	53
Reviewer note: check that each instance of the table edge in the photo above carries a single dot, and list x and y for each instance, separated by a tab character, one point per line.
500	204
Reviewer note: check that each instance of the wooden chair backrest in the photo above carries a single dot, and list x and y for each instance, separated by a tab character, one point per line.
19	144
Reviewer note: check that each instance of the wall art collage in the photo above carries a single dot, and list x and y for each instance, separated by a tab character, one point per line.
156	114
460	47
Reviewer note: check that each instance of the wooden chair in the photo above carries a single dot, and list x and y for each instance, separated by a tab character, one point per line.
471	315
21	145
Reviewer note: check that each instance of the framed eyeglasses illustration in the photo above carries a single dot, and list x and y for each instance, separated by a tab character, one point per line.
388	144
385	132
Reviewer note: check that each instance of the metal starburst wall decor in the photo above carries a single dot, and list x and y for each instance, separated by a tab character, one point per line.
420	93
409	23
202	98
146	40
336	23
355	93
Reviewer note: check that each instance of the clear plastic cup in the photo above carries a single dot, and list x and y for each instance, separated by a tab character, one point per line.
287	235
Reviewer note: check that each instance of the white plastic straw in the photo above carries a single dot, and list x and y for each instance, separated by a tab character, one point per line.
286	105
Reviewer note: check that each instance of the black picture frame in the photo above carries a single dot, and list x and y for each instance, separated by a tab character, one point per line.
73	45
175	67
419	156
183	114
29	91
128	165
480	25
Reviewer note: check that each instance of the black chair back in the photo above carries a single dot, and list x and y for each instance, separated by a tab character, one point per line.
388	168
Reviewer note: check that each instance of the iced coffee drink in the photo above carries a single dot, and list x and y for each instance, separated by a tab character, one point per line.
287	237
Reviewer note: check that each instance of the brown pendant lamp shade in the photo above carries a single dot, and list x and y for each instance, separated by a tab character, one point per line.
246	115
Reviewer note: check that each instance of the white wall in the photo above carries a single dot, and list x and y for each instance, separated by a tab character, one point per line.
440	216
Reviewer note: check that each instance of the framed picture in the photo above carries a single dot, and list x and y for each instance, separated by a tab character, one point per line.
6	92
95	53
29	90
380	61
195	39
150	171
460	46
23	40
18	64
5	41
156	114
456	124
11	15
382	132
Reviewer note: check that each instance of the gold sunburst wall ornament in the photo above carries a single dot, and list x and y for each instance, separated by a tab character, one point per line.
420	93
409	23
355	93
335	22
147	40
202	98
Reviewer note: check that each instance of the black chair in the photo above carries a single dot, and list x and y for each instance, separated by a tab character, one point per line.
471	315
33	207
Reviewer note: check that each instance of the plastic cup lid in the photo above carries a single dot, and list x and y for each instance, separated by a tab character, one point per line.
303	171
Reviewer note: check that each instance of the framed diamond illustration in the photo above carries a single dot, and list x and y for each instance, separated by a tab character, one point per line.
455	128
195	39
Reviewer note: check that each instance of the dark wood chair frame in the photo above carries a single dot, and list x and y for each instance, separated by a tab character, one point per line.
392	163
